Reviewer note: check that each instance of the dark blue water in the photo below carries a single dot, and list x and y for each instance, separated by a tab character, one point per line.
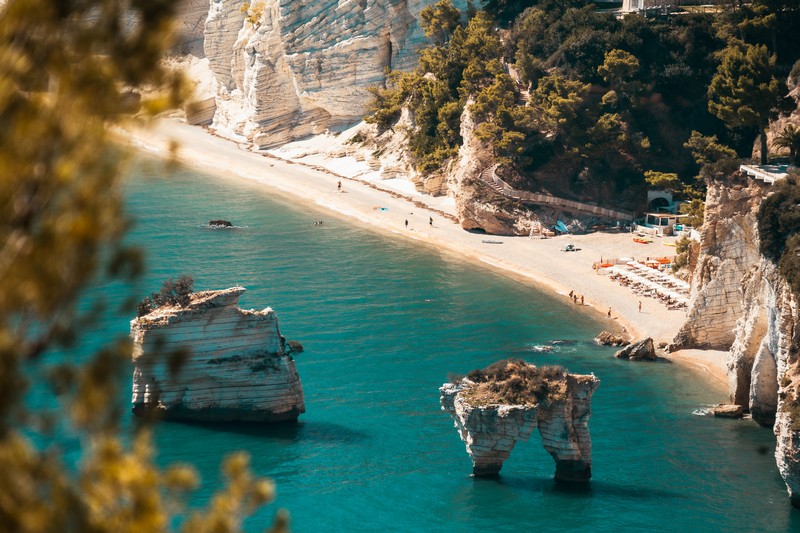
383	322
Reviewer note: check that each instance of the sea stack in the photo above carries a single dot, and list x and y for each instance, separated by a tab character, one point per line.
495	407
211	361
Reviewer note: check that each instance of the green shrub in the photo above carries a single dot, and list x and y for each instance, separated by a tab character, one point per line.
682	250
173	293
779	218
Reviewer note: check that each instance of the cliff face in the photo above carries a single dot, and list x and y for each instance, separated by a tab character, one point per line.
741	302
479	206
490	432
234	365
728	250
287	69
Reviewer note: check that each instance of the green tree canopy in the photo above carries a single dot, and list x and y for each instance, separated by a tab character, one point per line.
620	70
667	181
440	20
745	91
716	161
789	138
556	101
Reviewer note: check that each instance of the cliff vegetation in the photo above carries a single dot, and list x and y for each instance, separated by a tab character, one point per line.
583	105
515	382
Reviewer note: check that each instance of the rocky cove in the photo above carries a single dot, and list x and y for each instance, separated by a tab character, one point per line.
353	297
739	301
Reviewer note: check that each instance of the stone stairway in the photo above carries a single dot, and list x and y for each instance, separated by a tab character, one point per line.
487	175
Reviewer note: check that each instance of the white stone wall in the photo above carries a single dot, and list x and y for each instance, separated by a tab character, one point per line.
236	367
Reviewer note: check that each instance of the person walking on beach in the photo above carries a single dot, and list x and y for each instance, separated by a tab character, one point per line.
406	223
609	312
339	186
640	306
581	299
430	223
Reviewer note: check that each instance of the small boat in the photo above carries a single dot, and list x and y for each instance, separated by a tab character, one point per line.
642	240
487	241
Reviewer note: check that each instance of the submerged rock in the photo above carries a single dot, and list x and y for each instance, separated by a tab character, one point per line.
556	402
220	223
728	411
211	361
642	350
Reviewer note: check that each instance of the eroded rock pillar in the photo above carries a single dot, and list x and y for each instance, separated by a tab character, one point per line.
489	433
564	426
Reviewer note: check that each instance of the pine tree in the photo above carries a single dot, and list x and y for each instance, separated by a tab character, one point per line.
744	91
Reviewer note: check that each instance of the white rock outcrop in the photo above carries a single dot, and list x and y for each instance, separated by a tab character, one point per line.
479	206
728	250
211	361
286	69
491	431
740	302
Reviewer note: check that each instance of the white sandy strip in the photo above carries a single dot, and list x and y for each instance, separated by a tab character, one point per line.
537	260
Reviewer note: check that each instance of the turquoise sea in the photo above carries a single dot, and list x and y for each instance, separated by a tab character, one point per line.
383	321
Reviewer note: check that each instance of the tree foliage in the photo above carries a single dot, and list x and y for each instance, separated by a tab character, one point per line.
779	218
716	161
666	181
556	102
620	71
67	71
608	97
173	292
779	228
437	91
504	125
440	20
745	91
789	138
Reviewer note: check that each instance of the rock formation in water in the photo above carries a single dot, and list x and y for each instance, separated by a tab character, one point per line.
286	69
211	361
728	411
494	408
643	350
606	338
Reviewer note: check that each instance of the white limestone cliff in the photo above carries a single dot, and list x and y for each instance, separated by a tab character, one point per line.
491	431
287	69
740	302
728	249
211	361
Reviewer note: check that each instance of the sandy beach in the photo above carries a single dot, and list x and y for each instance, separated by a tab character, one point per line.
385	206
